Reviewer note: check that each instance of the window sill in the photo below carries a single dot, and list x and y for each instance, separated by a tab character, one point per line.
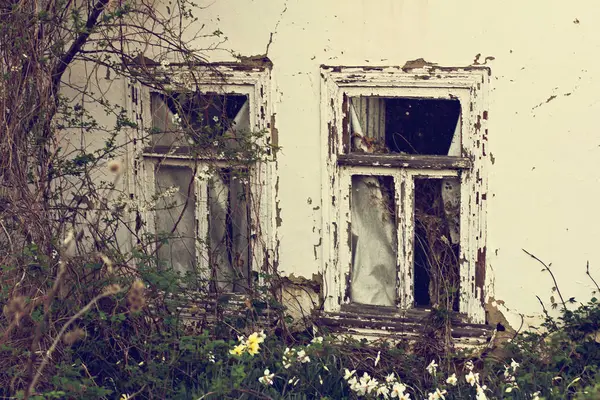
405	161
380	322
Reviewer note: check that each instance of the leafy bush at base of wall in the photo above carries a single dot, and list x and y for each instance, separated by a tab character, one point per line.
124	356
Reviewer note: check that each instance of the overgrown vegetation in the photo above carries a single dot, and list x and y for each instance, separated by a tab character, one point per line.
90	311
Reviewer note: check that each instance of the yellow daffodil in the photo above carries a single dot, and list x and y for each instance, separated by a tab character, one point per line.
252	347
238	350
256	337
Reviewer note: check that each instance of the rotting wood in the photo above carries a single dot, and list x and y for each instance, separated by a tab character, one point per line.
415	324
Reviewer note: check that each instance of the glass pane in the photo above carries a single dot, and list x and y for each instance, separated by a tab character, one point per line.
405	125
181	119
229	229
437	241
175	217
374	248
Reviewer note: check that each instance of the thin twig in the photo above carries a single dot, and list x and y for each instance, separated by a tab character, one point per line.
552	275
587	271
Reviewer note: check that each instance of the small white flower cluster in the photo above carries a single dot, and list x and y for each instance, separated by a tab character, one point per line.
203	173
369	385
509	376
164	65
176	119
267	378
123	201
293	355
317	340
243	181
290	356
185	79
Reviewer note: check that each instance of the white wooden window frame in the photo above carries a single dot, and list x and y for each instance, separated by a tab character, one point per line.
470	86
221	79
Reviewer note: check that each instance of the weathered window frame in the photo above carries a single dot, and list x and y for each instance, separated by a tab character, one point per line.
470	87
224	78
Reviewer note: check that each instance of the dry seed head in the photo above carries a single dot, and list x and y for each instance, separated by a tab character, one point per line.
15	308
73	336
115	166
112	289
135	298
107	261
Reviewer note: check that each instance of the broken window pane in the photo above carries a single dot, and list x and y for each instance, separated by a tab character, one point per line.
228	211
405	125
175	217
374	248
436	242
191	118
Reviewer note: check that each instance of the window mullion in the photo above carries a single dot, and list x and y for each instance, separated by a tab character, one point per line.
406	239
147	200
345	248
467	246
202	242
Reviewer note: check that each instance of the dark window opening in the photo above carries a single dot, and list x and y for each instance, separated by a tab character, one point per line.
194	118
405	125
437	242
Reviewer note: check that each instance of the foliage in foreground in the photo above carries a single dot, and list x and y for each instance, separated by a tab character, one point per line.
131	346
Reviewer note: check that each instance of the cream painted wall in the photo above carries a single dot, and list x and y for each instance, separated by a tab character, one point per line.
545	181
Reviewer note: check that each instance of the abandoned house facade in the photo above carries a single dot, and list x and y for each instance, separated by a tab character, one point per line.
416	148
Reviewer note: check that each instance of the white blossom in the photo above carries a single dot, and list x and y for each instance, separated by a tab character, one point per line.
432	367
514	365
480	393
398	390
294	381
472	378
452	380
378	358
176	119
469	365
302	357
267	378
317	339
348	374
164	65
383	391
